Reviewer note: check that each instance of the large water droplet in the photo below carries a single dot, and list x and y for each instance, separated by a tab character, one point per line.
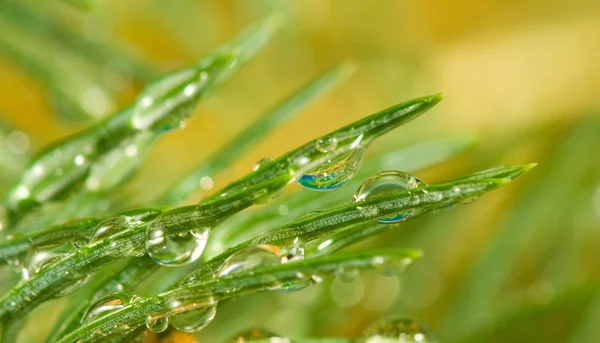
251	257
178	249
334	173
391	266
398	330
157	322
107	305
113	226
258	336
326	144
387	182
194	320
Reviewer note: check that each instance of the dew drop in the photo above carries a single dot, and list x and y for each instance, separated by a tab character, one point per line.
398	330
326	144
157	323
194	320
334	173
107	305
302	281
263	255
113	226
258	336
391	266
262	163
387	182
347	274
177	249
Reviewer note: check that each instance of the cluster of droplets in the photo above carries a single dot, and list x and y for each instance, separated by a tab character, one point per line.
174	250
387	182
258	336
398	330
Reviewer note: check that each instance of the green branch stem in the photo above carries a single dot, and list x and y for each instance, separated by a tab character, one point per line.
207	292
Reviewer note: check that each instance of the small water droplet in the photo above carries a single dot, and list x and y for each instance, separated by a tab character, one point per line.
194	320
251	257
157	322
258	336
79	160
18	142
387	182
206	182
262	163
347	274
334	173
326	144
391	266
175	250
107	305
398	330
299	284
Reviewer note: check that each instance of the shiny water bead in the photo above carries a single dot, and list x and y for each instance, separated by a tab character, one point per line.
391	266
326	144
40	258
194	320
262	163
113	226
398	330
157	322
334	173
347	274
107	305
258	336
251	257
178	249
387	182
294	251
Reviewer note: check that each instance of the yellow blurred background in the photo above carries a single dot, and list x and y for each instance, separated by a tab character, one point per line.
522	77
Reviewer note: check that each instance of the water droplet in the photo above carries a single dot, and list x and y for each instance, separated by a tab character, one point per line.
40	258
299	284
113	226
206	182
157	322
347	274
107	305
251	257
391	266
387	182
334	173
258	336
398	330
326	144
262	163
194	320
175	250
